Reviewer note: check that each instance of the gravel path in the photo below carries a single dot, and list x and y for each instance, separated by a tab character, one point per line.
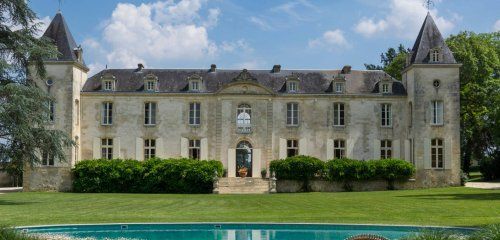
484	185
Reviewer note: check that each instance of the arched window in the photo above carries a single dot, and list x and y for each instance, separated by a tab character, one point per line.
244	115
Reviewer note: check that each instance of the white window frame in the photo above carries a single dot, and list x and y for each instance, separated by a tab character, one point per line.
385	149
194	85
293	86
437	116
149	148
292	114
437	153
292	145
338	114
107	113
339	87
150	85
244	115
150	109
106	148
194	114
386	115
339	148
108	85
47	159
194	148
385	87
435	55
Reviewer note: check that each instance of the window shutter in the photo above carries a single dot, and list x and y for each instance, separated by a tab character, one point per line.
160	149
231	162
376	149
427	153
396	149
116	148
256	162
303	148
282	148
204	149
329	149
139	149
184	148
96	148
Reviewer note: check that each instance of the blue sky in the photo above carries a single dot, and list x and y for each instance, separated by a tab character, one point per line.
298	34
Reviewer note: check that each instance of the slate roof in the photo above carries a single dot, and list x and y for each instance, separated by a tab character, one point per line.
428	38
176	80
59	32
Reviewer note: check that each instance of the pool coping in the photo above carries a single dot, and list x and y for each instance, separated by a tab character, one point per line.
250	223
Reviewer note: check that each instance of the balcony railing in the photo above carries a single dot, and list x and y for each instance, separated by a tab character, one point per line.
244	128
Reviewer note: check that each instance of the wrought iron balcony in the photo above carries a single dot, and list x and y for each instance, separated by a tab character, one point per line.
244	128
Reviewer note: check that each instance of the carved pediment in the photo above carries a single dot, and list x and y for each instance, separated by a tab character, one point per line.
245	88
245	76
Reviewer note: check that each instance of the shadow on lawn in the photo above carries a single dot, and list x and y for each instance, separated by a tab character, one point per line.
13	203
457	196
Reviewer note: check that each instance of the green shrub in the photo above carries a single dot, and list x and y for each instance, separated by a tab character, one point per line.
301	168
349	170
13	234
490	166
491	232
435	235
393	170
151	176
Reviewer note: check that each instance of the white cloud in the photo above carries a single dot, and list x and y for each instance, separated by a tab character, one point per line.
261	23
330	40
42	25
240	45
155	33
296	9
252	64
404	20
496	26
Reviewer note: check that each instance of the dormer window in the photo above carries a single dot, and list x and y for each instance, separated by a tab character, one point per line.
108	85
338	84
339	87
151	83
435	55
195	83
108	82
385	85
292	84
385	88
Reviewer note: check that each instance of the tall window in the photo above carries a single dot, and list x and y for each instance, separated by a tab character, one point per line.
435	55
292	148
338	114
244	114
107	148
293	86
108	85
194	113
52	111
339	148
437	160
385	88
386	115
292	114
77	109
437	112
47	159
339	87
150	113
194	149
410	117
385	149
149	148
107	113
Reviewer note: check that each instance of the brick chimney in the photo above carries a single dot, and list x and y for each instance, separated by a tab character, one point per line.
276	68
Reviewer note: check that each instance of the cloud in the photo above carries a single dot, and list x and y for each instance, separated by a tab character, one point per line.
296	9
239	45
252	64
261	23
404	20
330	40
496	26
43	24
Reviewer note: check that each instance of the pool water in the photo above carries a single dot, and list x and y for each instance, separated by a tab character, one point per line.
226	231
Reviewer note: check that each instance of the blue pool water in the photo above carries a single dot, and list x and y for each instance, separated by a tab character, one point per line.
229	231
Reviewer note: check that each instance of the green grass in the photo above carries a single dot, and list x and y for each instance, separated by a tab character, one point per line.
443	206
475	177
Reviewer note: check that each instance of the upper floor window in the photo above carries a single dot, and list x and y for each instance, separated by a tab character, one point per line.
386	115
385	149
52	111
292	114
437	159
47	159
410	115
195	83
244	114
339	148
108	85
194	148
149	148
150	85
292	147
338	114
385	88
435	55
195	86
194	113
339	87
150	113
107	148
437	112
293	86
107	113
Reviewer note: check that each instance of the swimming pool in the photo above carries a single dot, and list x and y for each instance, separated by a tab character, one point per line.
230	231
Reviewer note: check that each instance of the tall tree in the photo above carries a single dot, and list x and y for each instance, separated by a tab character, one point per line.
479	94
23	106
393	61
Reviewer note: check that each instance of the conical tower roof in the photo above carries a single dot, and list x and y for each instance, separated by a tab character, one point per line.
59	32
429	38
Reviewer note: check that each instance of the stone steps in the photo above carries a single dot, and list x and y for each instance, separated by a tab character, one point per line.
243	186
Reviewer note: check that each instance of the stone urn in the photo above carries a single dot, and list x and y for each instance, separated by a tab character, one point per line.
243	172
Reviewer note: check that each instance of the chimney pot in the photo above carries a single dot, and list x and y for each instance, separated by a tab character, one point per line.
276	68
346	69
213	68
140	66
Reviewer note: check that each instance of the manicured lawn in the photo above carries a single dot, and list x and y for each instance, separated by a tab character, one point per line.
444	206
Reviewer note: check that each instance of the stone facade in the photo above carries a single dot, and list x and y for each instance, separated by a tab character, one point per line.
79	111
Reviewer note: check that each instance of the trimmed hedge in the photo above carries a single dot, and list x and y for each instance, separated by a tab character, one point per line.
151	176
301	168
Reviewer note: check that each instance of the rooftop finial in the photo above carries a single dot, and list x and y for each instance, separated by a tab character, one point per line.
428	4
60	3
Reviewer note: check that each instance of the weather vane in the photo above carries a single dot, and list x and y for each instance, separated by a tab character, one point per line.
428	4
60	3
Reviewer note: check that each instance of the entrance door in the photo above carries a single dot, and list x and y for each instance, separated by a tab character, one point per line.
244	157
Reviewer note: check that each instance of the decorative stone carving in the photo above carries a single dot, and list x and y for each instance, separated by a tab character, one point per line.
245	76
216	183
272	183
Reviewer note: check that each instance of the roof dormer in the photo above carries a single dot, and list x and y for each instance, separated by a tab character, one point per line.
195	83
292	84
338	84
435	55
385	85
108	82
151	83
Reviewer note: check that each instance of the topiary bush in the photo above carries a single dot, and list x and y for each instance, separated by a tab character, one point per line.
348	170
150	176
393	170
301	168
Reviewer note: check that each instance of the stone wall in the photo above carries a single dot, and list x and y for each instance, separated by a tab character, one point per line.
5	179
47	179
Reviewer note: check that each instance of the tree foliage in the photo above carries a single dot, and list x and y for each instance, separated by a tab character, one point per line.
393	61
23	106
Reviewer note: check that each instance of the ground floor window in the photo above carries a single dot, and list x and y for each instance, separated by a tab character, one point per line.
437	153
194	149
339	148
292	148
149	148
47	159
107	148
385	149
